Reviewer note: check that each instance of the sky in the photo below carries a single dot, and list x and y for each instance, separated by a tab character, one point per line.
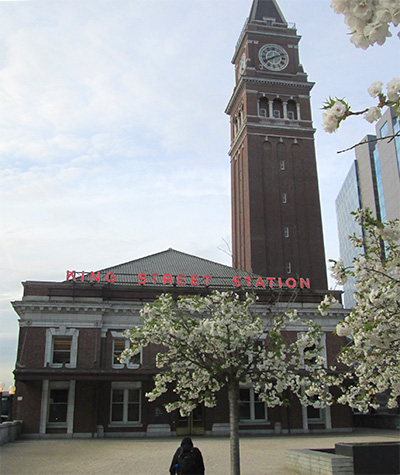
113	136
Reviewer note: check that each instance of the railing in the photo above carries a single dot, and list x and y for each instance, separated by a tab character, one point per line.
9	431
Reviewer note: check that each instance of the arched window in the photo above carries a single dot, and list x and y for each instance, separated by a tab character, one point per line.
263	107
292	110
278	109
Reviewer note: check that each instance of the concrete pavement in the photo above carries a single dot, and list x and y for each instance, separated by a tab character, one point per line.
259	455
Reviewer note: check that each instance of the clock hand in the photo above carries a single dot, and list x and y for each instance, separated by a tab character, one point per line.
276	55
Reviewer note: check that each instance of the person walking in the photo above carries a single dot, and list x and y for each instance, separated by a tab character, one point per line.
187	459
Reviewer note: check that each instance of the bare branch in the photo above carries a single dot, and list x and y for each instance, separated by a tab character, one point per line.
390	137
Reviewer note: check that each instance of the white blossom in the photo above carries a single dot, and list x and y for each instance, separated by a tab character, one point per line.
375	89
339	6
373	114
338	271
368	20
333	115
339	109
343	329
393	89
391	232
330	122
374	321
328	302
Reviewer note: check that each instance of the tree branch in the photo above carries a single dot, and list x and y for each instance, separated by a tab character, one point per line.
390	137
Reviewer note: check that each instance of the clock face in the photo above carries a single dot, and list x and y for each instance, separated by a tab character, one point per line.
242	64
273	57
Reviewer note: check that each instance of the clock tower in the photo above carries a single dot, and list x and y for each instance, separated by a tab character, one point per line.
276	216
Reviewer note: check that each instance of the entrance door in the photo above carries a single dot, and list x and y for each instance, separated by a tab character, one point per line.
193	424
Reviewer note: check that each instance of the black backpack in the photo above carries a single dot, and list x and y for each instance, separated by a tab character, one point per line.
186	462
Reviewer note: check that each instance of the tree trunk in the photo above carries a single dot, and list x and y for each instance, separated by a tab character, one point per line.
233	396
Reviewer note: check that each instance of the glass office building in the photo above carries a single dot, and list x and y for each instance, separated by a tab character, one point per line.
373	181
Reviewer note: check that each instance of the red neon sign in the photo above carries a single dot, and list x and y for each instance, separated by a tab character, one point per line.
194	280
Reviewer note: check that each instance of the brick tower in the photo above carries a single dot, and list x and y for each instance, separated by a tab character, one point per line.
276	216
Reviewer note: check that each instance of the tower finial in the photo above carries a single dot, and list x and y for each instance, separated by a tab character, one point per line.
266	9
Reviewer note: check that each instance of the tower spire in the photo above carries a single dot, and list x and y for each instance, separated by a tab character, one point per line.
262	10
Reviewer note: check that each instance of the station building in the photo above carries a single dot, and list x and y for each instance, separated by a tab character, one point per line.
69	377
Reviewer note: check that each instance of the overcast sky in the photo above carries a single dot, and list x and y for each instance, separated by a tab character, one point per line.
113	137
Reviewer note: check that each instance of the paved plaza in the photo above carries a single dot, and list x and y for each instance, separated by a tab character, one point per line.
259	455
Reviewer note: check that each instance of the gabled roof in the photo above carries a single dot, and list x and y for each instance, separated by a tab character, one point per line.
174	263
262	9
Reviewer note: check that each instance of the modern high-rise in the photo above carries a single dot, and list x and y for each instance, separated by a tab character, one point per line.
276	217
373	182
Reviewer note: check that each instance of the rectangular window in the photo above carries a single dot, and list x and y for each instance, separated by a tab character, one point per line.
284	198
61	347
282	164
58	406
315	414
62	350
286	231
263	113
384	130
289	267
277	114
251	408
309	354
290	115
120	345
125	402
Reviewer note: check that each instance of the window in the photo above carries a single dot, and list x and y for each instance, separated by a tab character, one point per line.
291	110
61	347
315	414
60	399
282	164
121	344
125	402
119	347
288	267
62	350
240	119
384	130
277	108
251	408
286	231
311	359
58	406
309	355
263	106
284	198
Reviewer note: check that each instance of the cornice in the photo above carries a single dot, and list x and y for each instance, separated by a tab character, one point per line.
33	313
244	80
292	128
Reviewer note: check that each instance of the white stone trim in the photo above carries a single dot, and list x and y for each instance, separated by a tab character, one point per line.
71	407
61	331
43	407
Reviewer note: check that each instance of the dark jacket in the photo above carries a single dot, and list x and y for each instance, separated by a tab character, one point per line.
187	446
